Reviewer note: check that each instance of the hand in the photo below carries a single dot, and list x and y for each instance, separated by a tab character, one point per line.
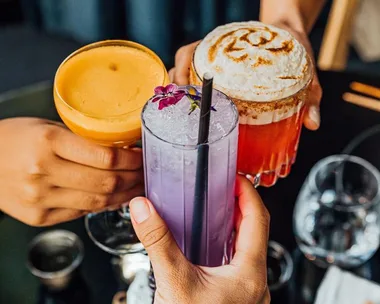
312	119
180	75
244	280
49	175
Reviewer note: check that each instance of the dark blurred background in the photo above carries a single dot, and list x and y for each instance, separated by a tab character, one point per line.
36	35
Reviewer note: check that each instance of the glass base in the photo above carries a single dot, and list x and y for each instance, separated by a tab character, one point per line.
279	266
127	266
324	259
269	178
113	233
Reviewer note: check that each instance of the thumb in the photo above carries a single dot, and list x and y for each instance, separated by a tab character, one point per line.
154	234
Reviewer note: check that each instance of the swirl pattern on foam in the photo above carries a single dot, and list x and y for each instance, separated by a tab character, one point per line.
252	61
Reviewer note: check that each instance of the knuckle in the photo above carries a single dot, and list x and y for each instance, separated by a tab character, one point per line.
36	169
33	193
37	218
181	51
151	236
48	132
98	201
111	183
108	157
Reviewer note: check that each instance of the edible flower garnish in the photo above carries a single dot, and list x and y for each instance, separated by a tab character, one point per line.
172	94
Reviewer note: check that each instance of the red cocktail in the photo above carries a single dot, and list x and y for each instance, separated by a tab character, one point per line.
266	72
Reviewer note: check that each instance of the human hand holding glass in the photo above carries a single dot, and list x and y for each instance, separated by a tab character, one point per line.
179	281
58	176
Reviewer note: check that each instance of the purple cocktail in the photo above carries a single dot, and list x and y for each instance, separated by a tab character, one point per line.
170	134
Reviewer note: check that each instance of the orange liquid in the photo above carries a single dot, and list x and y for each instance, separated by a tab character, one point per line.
101	90
269	149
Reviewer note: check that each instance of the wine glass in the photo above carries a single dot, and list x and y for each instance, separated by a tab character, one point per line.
110	69
336	218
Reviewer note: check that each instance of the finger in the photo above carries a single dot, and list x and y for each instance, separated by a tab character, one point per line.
158	241
266	298
55	216
183	60
171	74
252	234
37	217
81	200
76	149
66	174
312	119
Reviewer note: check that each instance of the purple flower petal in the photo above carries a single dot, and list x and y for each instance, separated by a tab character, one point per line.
179	95
159	90
166	101
161	105
171	100
157	98
170	88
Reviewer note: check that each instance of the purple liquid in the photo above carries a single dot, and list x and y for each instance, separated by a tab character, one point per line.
170	179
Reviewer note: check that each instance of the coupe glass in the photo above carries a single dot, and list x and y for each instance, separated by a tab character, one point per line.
112	231
336	218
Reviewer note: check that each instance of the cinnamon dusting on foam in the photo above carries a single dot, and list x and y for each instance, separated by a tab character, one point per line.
253	61
261	61
288	77
231	46
286	47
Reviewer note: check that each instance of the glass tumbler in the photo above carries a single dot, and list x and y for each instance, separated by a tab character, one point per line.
336	218
170	179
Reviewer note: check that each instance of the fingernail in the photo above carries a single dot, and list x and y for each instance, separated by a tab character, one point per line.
139	209
315	115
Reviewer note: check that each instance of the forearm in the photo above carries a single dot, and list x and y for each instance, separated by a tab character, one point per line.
299	14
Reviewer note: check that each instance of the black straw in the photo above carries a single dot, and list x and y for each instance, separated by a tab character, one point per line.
201	177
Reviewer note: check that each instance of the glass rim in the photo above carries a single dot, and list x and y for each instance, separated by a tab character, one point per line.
99	44
116	252
342	158
194	146
288	272
65	271
311	73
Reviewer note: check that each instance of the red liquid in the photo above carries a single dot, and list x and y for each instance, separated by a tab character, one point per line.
269	149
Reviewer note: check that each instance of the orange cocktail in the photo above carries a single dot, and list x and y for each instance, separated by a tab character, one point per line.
100	90
266	72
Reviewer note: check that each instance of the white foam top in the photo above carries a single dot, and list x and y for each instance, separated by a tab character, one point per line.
254	62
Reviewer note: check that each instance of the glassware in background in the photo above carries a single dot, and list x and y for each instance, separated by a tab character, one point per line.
171	157
54	257
99	92
279	266
362	146
336	218
128	265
